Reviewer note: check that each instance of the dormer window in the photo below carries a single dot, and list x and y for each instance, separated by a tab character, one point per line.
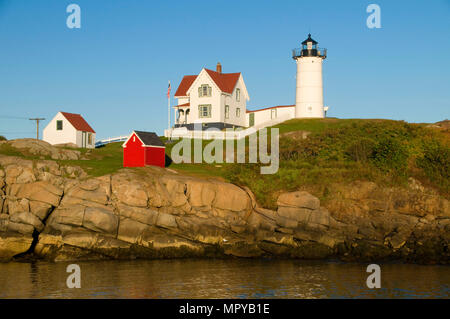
204	90
238	95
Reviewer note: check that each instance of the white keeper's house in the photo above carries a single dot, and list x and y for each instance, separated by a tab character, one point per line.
69	128
214	99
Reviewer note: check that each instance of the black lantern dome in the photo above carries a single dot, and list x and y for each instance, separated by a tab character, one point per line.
309	48
309	40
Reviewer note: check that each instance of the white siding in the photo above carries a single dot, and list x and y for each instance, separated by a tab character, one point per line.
195	100
80	140
67	135
183	100
309	93
217	100
230	100
263	116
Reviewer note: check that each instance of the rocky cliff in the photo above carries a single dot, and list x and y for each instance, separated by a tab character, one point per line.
57	212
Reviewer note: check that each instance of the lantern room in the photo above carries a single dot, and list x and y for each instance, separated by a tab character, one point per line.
309	48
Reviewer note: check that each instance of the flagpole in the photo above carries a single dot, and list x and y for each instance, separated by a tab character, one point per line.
168	108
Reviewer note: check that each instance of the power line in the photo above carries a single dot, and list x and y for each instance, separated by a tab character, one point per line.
9	117
17	132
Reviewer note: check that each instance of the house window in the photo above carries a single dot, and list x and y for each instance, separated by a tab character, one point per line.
59	125
227	111
238	112
273	113
204	111
238	95
90	138
204	90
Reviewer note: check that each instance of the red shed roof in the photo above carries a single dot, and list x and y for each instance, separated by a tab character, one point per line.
225	81
147	139
78	122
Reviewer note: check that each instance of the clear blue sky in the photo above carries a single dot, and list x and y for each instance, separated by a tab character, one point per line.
114	70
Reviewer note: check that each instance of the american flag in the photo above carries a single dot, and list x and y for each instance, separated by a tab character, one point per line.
168	91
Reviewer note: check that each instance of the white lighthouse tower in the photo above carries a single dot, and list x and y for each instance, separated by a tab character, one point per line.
309	94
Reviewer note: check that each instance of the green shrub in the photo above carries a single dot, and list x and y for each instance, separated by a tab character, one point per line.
435	162
361	150
390	154
2	138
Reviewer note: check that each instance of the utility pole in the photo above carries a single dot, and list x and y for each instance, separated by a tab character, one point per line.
37	119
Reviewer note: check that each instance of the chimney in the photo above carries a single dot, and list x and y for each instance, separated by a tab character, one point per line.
219	67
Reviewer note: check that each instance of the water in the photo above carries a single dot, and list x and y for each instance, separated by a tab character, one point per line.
202	278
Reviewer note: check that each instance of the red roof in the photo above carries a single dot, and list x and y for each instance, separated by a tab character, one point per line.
182	105
225	81
78	122
268	108
185	85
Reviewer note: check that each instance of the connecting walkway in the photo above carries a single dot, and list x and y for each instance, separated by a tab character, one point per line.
237	134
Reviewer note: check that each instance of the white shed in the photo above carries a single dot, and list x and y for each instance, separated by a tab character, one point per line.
69	128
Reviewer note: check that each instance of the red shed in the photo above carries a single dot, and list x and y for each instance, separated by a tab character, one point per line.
143	148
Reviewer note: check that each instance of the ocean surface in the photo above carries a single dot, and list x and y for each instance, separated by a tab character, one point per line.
233	278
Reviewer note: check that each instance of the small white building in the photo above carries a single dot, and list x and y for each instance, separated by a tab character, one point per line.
212	98
69	128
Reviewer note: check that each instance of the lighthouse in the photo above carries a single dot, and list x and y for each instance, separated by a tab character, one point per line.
309	91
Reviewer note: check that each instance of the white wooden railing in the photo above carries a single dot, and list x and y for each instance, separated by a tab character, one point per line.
111	140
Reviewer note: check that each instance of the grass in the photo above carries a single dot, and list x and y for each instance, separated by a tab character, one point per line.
340	151
100	161
315	125
337	151
7	149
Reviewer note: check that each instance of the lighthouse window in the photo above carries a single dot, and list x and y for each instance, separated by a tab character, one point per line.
59	125
227	111
238	95
238	112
